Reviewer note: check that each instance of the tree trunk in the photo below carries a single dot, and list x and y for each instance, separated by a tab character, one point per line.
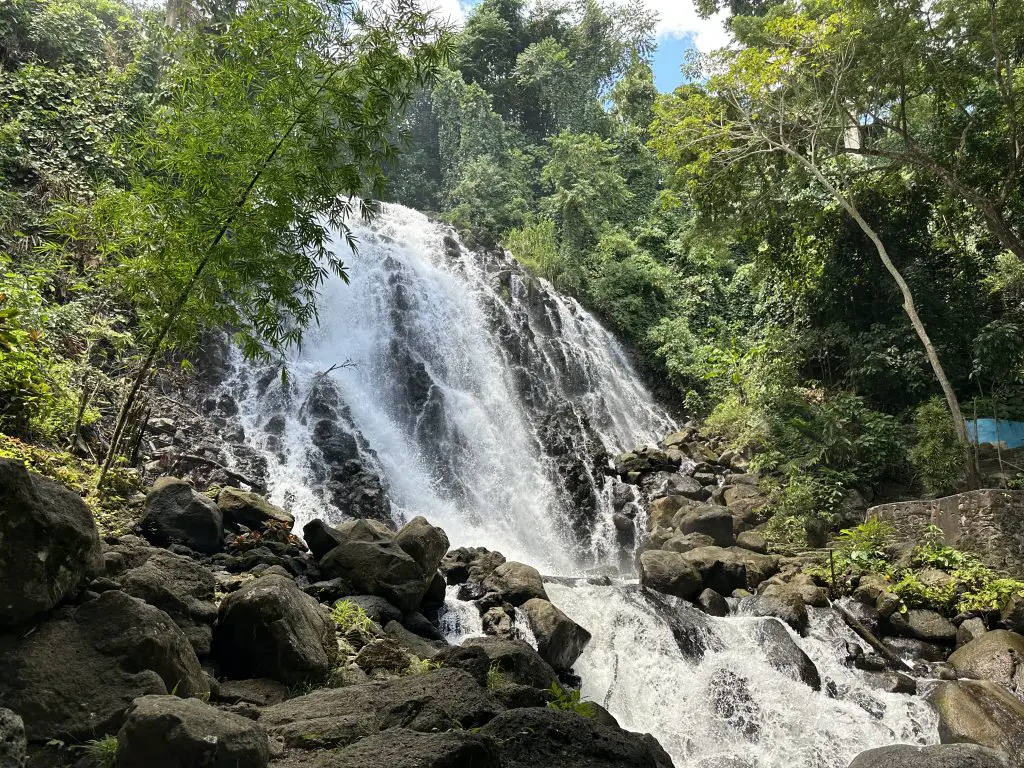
959	424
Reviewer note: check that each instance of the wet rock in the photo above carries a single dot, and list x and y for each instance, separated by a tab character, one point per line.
498	622
336	445
997	655
421	646
893	682
251	510
48	544
541	738
662	484
92	661
670	573
560	640
664	510
969	629
330	591
270	628
980	712
712	603
13	745
780	602
469	564
177	514
785	655
371	560
403	748
922	624
516	582
333	717
908	647
731	700
181	588
168	732
938	756
516	659
709	520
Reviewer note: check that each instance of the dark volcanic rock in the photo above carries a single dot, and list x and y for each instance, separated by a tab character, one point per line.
320	537
176	514
168	732
423	542
371	559
270	628
469	564
544	738
997	655
75	676
938	756
517	660
560	640
48	543
670	573
516	582
785	655
980	712
13	745
333	717
403	748
250	510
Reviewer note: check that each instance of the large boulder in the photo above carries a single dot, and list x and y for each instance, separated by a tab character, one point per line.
661	484
270	628
516	582
560	640
181	588
712	521
48	543
13	745
745	502
404	748
923	624
720	569
780	602
320	537
168	732
373	562
76	675
177	514
670	573
1012	614
980	712
785	655
251	510
423	542
997	655
664	510
517	661
937	756
333	717
541	737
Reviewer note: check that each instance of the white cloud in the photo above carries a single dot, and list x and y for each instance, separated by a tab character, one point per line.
676	18
679	19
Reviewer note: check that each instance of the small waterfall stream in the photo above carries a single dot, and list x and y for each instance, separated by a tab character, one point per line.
450	384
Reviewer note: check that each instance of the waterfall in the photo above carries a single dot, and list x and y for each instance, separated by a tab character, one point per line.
452	384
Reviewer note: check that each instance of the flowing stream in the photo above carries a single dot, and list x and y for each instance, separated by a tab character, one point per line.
447	383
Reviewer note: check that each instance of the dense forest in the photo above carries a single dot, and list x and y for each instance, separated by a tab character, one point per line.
813	245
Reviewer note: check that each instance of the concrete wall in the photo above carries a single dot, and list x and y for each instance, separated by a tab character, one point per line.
989	523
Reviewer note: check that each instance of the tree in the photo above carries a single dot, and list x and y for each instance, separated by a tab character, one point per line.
267	129
781	99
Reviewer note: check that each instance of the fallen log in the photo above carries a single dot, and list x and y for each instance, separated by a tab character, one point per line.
880	648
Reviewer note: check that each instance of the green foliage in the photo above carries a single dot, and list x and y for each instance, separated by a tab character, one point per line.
569	701
495	678
991	595
915	594
101	753
863	547
936	455
418	666
534	246
349	616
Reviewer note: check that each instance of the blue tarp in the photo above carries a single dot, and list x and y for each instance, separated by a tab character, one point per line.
1009	433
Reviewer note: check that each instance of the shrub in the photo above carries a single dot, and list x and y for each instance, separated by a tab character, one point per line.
101	753
936	455
495	678
864	546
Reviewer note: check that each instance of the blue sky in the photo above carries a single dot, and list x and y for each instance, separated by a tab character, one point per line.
679	29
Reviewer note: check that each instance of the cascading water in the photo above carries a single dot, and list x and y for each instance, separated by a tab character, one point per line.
450	384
